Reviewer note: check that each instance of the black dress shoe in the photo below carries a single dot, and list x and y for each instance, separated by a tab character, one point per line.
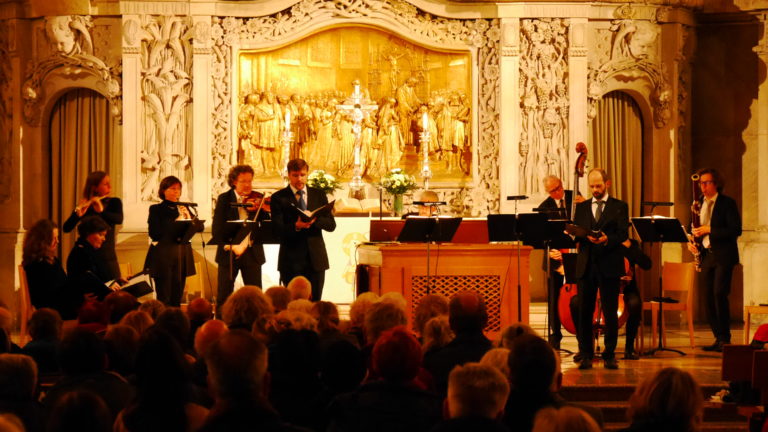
554	340
577	357
716	347
631	355
611	363
586	363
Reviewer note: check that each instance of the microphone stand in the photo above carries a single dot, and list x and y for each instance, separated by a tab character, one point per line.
517	198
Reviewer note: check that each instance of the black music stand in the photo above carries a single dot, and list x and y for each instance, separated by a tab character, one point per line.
555	238
660	230
427	230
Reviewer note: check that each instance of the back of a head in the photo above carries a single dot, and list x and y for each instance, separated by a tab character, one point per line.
300	288
118	304
382	316
152	307
436	333
237	362
81	352
138	320
280	296
199	310
671	397
430	306
498	358
45	324
476	390
295	320
161	368
396	355
565	419
244	307
359	308
93	312
467	312
6	319
342	368
80	410
531	366
300	305
396	299
326	314
18	377
509	334
122	343
10	423
207	334
175	323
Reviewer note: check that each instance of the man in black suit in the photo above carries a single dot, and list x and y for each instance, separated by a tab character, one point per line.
600	265
557	206
302	249
236	252
719	229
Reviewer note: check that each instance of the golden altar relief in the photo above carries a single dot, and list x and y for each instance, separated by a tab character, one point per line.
409	90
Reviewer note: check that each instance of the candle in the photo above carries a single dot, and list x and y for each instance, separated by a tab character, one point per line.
424	121
357	89
287	120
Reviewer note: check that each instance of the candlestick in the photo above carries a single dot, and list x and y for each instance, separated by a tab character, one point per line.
287	119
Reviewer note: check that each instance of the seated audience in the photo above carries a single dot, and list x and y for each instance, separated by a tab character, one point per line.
45	330
564	419
300	288
199	311
93	316
535	379
396	299
6	323
430	306
509	334
175	322
300	305
138	320
122	343
498	358
342	369
83	357
245	308
206	335
163	399
119	303
48	285
393	402
357	312
670	400
152	307
381	317
327	316
280	296
467	317
237	365
476	398
436	333
18	384
10	423
80	410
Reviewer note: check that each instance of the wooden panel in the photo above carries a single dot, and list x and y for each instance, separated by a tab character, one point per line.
470	230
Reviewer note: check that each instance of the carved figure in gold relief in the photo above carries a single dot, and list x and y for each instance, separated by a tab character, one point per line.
390	136
268	126
246	130
407	104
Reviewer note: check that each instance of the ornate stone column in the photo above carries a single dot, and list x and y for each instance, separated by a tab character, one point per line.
509	113
133	125
202	108
578	71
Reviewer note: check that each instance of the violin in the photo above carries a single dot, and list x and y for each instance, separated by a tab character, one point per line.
258	201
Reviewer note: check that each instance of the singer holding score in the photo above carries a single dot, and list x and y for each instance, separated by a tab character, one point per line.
302	249
235	254
95	201
169	260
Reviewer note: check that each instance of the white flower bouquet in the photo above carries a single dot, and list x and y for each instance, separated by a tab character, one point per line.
397	182
320	179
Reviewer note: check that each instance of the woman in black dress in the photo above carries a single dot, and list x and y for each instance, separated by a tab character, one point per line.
88	270
170	258
95	201
46	279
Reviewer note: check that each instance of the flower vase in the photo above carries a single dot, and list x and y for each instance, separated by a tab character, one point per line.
397	205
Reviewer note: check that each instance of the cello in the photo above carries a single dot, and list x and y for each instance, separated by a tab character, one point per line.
568	291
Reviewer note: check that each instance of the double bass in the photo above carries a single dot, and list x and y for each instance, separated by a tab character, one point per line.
568	291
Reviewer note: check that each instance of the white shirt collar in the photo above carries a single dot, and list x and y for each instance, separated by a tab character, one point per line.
605	199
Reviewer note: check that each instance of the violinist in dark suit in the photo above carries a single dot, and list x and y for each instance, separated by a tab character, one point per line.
87	269
302	249
170	260
235	254
720	227
96	201
600	264
557	206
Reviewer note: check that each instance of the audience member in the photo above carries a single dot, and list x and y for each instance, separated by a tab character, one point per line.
476	398
6	323
10	423
82	357
152	307
396	299
82	411
245	308
93	317
535	379
163	395
5	342
237	364
382	316
208	333
199	311
175	322
436	333
139	320
342	368
430	306
122	343
295	320
670	400
280	296
509	334
357	312
498	358
467	317
564	419
18	382
300	305
394	402
118	304
45	330
300	288
327	316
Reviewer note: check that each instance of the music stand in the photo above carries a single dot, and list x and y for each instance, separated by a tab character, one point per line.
502	228
426	230
555	238
660	230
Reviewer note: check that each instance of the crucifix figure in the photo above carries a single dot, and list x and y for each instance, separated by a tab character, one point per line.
357	106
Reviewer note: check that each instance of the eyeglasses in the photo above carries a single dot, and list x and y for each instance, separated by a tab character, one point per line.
706	182
555	189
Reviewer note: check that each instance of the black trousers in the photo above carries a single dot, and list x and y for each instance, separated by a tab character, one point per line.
717	287
609	302
555	283
247	266
633	306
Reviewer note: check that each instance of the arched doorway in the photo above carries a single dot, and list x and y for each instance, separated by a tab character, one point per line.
83	137
616	143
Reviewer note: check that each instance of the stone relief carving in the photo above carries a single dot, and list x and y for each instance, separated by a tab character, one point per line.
166	56
480	34
6	111
544	101
72	56
632	56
